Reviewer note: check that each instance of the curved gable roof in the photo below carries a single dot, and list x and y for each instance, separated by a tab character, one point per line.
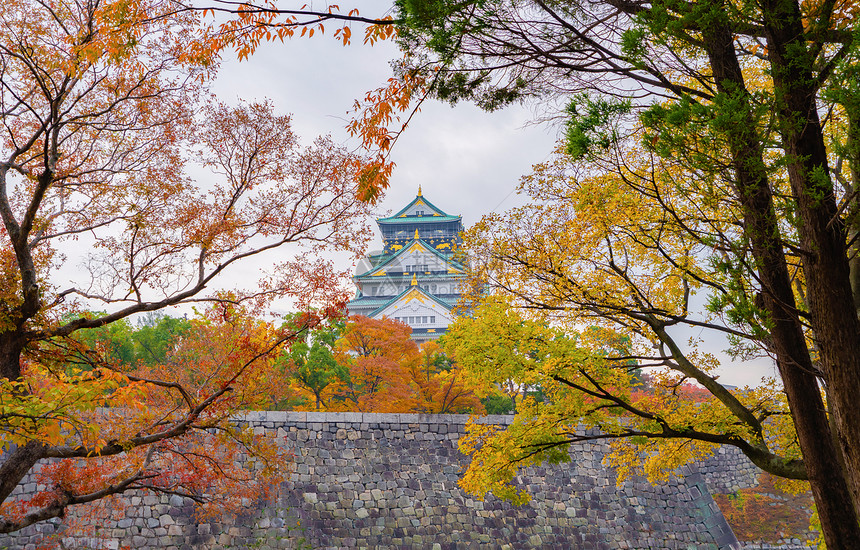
404	294
438	215
376	271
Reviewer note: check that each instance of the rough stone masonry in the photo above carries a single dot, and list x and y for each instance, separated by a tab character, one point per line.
366	480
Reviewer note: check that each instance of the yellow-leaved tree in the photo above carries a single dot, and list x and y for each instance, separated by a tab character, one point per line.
715	133
586	287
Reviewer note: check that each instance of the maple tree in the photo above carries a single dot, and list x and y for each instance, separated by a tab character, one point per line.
103	106
223	342
378	116
375	352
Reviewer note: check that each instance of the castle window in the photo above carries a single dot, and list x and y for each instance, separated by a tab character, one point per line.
432	319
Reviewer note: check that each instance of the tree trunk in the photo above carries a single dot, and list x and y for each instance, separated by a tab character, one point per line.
830	488
11	346
822	232
852	155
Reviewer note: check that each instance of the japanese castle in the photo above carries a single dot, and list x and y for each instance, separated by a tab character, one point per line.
415	279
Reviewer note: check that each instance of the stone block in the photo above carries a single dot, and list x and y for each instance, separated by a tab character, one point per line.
317	418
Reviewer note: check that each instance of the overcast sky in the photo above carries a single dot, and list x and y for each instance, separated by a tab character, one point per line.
468	162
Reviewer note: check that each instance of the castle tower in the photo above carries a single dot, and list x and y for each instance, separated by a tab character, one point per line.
415	279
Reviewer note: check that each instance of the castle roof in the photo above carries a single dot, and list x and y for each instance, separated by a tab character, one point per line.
434	215
378	270
405	295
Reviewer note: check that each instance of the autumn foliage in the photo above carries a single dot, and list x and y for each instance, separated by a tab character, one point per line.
225	348
372	365
116	159
654	423
712	150
766	512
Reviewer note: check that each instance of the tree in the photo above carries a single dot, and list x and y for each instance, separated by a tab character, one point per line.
102	106
684	64
226	341
376	352
114	343
765	512
157	335
692	57
653	429
439	384
311	365
620	253
251	23
388	372
120	343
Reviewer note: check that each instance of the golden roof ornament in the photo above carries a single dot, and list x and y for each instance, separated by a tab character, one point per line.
419	190
414	280
416	234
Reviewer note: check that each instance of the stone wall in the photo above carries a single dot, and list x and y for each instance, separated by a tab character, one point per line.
728	470
390	481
